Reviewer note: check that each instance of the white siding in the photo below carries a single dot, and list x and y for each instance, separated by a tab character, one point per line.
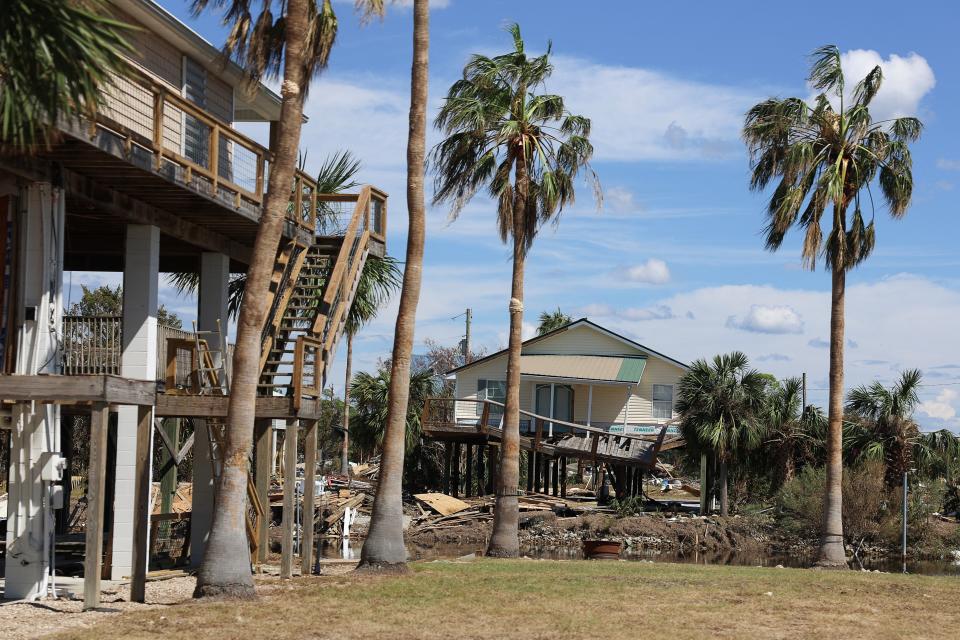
610	404
581	340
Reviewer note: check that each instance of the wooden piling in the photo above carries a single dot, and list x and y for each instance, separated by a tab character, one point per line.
309	497
468	483
263	461
96	481
455	484
141	506
289	497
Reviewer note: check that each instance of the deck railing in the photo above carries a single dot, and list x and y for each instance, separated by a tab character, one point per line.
163	132
94	345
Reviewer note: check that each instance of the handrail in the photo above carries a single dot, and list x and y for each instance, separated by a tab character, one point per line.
571	425
212	131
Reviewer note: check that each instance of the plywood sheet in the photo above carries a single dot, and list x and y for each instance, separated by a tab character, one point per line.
442	503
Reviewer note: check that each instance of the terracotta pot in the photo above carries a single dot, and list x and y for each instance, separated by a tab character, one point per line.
601	549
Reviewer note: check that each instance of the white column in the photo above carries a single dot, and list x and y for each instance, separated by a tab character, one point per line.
553	390
589	404
626	410
141	276
212	298
35	427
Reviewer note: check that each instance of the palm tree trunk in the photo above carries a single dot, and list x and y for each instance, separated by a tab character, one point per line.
225	570
345	452
724	489
831	552
384	548
504	540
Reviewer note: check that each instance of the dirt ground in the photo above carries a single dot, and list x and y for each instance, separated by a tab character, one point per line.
29	620
557	599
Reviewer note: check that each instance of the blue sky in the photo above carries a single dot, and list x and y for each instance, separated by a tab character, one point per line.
675	258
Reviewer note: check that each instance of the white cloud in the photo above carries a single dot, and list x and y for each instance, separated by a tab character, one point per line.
621	200
942	407
653	271
906	80
658	312
768	319
641	114
948	165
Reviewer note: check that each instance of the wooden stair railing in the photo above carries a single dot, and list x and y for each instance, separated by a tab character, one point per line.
311	301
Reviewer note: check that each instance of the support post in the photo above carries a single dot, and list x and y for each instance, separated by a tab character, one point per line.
212	298
309	491
491	469
563	476
141	281
555	475
468	485
531	470
96	485
480	466
447	458
141	506
263	461
289	496
455	485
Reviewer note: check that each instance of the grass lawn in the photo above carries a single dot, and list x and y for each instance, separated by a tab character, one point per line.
574	599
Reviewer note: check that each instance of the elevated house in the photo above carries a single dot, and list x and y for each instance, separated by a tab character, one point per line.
585	392
161	181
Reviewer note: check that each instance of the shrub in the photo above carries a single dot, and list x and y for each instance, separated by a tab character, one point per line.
871	511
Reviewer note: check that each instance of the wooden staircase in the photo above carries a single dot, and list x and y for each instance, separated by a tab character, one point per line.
312	290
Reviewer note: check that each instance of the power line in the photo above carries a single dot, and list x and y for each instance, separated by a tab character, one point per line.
930	384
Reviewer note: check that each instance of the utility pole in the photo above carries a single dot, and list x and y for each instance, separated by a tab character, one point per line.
466	340
804	407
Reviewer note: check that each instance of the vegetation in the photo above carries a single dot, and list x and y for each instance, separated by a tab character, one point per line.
384	548
552	320
826	155
56	59
108	301
882	424
722	406
487	599
523	146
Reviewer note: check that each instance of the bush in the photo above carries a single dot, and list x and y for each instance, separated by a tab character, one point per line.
871	510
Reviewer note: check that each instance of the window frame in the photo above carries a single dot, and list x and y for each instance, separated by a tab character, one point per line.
658	406
483	386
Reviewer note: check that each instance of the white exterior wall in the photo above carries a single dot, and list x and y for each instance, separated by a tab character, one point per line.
610	404
35	427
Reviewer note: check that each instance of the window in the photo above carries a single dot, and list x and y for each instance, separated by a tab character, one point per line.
662	401
491	390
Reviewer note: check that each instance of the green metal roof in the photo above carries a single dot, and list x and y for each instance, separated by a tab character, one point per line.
631	369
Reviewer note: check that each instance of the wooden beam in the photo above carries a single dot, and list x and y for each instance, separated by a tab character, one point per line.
141	505
309	487
263	459
289	494
186	406
76	389
96	485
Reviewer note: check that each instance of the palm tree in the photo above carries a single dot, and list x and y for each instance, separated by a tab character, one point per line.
379	278
826	156
794	431
383	548
371	400
552	320
885	423
297	43
721	407
56	57
526	149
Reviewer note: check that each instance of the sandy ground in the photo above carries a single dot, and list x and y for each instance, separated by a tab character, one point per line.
29	620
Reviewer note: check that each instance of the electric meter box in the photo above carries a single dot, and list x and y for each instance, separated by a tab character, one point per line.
52	465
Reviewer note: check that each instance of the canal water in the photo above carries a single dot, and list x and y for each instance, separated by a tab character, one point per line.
947	567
